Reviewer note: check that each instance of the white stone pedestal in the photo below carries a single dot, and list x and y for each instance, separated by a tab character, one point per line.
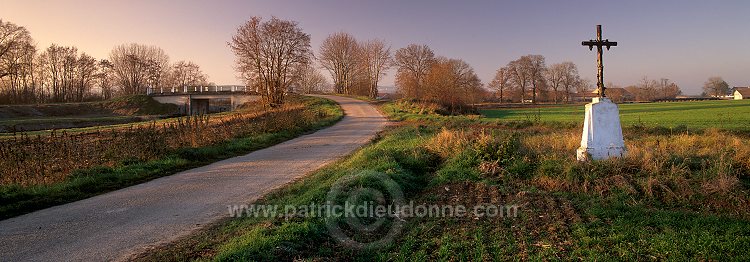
602	133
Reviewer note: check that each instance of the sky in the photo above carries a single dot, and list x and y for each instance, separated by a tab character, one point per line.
685	41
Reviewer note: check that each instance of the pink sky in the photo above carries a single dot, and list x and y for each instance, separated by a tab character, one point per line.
683	40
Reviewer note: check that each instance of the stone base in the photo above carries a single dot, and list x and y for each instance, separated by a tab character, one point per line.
602	133
586	154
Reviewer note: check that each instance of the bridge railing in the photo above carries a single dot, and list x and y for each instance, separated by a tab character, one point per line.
198	89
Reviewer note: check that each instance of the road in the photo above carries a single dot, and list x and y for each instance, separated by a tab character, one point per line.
119	224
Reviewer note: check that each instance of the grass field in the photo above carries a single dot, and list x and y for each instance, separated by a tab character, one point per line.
724	114
676	196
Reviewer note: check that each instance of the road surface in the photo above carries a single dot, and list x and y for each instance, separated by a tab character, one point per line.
119	224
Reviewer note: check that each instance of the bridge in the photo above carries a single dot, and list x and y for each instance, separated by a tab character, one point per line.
204	99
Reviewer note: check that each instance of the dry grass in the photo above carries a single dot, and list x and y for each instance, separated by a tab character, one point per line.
449	142
703	171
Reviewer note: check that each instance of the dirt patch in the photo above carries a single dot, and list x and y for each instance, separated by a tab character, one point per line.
543	222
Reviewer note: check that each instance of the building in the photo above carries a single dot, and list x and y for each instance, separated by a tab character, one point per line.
584	96
741	93
618	94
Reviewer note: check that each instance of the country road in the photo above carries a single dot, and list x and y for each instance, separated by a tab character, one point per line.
121	223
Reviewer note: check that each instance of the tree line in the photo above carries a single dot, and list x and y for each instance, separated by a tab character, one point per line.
652	90
275	57
63	74
528	79
422	76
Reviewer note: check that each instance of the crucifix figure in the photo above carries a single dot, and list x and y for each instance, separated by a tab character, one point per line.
599	43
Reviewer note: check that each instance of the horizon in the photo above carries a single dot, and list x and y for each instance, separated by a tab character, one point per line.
685	42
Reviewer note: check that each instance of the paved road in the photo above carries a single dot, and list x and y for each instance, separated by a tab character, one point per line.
119	224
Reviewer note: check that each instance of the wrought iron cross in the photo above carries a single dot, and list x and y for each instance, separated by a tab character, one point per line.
599	43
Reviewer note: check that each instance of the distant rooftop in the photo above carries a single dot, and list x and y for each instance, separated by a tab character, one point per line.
744	91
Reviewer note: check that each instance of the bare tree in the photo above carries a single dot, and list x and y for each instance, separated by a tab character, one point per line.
309	80
137	67
650	89
17	52
536	69
157	68
12	39
105	79
268	54
555	76
85	74
520	75
23	81
184	74
561	77
584	85
452	83
570	78
413	61
647	89
716	86
55	60
501	81
375	58
339	54
667	89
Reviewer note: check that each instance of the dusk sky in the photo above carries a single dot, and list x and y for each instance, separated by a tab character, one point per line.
684	41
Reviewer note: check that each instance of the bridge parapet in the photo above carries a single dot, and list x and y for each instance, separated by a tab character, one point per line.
188	90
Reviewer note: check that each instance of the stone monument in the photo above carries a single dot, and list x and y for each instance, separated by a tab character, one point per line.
602	133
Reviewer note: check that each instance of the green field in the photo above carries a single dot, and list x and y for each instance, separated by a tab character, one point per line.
729	115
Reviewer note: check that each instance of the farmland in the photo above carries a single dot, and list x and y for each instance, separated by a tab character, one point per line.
730	115
678	195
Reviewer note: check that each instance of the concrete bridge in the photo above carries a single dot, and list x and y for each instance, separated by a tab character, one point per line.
205	99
